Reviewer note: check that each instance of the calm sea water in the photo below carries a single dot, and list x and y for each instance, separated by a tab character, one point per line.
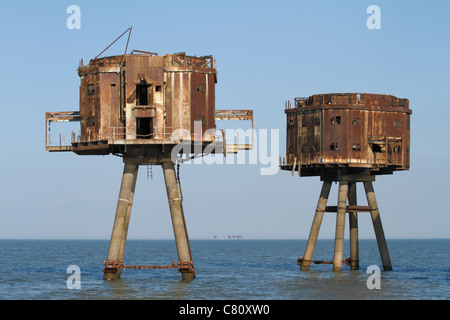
226	269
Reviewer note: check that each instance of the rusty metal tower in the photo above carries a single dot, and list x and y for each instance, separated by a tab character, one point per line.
347	138
142	107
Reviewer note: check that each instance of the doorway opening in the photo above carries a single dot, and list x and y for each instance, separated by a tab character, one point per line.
144	128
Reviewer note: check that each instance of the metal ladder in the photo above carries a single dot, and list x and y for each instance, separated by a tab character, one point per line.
149	172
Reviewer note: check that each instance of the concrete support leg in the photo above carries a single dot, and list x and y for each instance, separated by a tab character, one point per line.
120	228
353	222
178	221
314	233
127	218
376	220
340	226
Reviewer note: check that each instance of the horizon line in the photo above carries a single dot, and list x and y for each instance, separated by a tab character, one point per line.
220	239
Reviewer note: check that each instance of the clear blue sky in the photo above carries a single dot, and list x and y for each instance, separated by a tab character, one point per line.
267	52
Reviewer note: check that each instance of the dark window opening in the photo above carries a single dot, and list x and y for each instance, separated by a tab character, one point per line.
291	123
201	88
356	147
356	121
397	123
304	122
335	146
335	120
90	122
376	148
113	84
397	149
158	88
144	128
142	94
317	121
90	89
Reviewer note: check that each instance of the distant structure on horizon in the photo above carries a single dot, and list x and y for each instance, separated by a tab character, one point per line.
347	138
230	237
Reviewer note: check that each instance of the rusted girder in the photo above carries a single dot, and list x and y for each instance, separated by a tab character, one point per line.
351	208
112	266
233	115
299	261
